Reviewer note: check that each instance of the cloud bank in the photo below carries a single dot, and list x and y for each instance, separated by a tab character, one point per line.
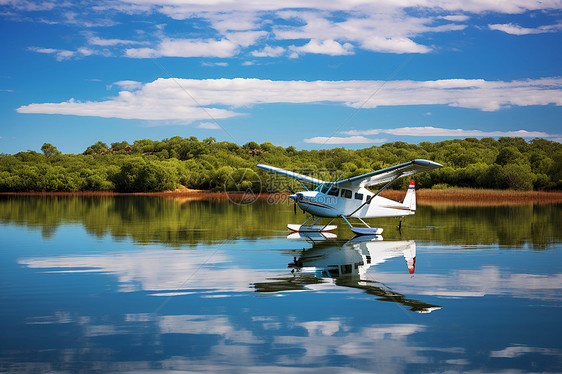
436	131
344	140
290	28
189	100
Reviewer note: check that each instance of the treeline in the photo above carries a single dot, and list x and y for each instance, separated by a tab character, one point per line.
148	165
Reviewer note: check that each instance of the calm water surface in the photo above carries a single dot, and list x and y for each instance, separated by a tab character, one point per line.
144	284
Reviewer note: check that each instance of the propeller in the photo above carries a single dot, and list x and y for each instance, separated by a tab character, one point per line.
294	201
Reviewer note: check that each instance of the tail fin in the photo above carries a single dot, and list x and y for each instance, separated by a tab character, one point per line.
410	199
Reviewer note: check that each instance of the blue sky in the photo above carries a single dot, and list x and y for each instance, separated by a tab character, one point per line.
311	74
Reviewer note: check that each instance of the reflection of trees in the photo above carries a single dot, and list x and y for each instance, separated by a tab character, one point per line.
537	225
155	219
145	219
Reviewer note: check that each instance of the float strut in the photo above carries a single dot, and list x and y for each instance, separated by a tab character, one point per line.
346	221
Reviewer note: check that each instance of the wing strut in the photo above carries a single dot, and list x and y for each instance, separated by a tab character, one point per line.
306	188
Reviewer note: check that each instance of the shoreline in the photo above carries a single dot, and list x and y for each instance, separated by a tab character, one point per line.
453	196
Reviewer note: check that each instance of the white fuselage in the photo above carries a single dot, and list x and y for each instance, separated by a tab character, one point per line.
338	202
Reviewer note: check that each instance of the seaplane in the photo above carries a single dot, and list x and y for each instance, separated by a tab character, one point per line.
349	198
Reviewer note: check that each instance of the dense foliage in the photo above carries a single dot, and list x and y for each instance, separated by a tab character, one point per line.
148	165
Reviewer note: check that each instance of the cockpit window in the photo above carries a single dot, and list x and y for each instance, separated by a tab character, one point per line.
346	193
328	188
324	187
334	191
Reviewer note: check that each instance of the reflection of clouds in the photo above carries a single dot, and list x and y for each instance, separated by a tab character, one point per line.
205	325
260	343
159	270
323	344
319	328
488	280
57	318
519	350
386	345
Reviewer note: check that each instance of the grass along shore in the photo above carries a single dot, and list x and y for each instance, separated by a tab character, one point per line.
451	196
470	196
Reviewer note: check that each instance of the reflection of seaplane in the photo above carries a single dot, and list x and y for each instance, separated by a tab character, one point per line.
330	261
349	198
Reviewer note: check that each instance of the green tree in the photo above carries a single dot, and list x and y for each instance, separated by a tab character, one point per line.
510	155
49	150
96	148
118	146
210	140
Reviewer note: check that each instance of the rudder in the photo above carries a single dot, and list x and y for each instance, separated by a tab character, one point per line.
410	198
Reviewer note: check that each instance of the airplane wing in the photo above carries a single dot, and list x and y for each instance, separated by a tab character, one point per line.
291	174
388	174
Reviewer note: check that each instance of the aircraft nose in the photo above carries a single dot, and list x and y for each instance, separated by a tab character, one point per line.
297	196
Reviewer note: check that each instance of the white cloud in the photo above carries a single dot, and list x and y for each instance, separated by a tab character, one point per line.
94	40
183	9
166	99
82	18
245	38
343	140
85	51
380	31
456	18
187	48
209	126
336	27
60	54
327	47
129	105
228	46
221	64
94	46
393	45
235	20
513	29
269	51
32	6
436	131
129	85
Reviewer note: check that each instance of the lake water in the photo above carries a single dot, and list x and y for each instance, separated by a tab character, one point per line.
148	284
